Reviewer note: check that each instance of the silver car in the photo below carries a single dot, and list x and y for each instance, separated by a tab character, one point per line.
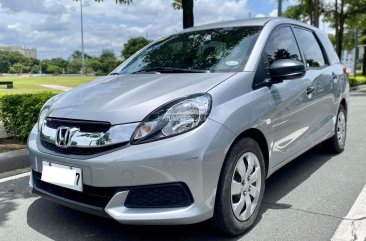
192	125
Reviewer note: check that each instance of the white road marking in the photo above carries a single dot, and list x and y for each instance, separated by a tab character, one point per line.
353	227
14	177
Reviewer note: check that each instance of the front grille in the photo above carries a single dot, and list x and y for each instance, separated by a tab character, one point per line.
84	126
150	196
94	196
78	150
159	196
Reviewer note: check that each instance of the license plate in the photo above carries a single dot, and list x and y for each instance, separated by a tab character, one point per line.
64	176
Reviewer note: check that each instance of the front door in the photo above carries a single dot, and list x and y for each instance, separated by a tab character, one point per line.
291	119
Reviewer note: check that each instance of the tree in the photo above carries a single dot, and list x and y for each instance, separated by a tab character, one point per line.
9	58
107	54
54	69
343	14
76	55
4	62
74	66
306	11
108	66
185	5
94	64
358	21
363	42
35	69
108	60
59	62
133	45
348	39
16	68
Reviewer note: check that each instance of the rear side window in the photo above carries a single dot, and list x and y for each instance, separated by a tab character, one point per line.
310	47
282	45
331	53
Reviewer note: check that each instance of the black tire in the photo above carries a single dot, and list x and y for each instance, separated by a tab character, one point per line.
224	216
333	144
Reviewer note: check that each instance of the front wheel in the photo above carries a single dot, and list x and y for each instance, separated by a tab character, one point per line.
241	188
338	141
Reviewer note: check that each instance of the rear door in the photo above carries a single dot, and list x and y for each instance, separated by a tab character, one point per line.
338	72
323	79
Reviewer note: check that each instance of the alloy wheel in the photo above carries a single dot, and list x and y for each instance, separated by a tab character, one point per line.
245	186
341	128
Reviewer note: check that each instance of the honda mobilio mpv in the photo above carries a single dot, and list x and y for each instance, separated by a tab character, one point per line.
191	126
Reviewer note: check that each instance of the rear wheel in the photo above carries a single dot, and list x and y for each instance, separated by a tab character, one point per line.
337	142
241	188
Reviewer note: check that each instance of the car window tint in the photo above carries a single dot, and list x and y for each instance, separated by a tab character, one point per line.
331	53
310	47
282	45
217	50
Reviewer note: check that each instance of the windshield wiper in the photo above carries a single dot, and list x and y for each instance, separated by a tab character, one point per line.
158	70
114	73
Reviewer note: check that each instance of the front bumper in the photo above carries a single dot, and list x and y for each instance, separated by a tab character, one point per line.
193	159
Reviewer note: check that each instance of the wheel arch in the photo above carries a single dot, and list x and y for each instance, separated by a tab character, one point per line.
344	104
260	138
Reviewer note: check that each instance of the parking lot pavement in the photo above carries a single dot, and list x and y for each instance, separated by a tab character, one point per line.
305	200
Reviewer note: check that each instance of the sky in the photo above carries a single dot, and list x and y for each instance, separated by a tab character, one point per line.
53	26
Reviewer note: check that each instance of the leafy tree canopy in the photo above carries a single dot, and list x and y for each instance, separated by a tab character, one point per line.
76	55
177	4
107	54
9	58
133	45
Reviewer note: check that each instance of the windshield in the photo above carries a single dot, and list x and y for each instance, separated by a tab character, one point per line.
212	50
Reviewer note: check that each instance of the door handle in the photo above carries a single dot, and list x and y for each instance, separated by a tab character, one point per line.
334	76
310	89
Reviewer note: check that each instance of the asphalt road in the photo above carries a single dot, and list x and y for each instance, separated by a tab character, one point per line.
305	200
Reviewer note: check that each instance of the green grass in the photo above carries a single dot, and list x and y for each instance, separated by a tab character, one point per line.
357	80
32	84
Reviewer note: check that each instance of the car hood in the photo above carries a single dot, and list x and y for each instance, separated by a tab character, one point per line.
130	98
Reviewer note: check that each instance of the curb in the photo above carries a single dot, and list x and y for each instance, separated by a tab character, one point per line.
357	87
13	160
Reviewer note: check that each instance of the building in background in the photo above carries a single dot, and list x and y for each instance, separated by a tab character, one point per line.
348	59
28	52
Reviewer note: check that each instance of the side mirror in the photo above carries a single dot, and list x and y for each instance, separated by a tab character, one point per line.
285	69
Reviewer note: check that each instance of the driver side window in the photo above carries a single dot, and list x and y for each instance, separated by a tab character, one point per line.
282	45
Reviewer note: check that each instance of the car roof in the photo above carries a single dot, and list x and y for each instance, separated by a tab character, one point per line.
250	22
242	22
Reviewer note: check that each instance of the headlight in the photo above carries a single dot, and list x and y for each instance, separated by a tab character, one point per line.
174	118
42	116
45	111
